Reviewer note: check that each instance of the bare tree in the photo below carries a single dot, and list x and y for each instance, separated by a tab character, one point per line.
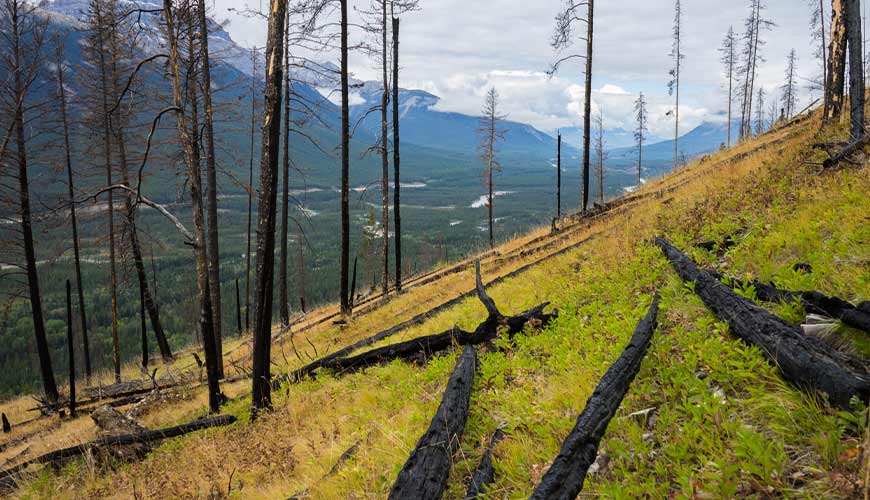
563	37
397	185
23	35
559	176
728	49
817	30
835	81
600	153
751	55
344	263
72	210
674	84
250	189
640	114
789	88
490	133
213	249
760	119
856	68
283	303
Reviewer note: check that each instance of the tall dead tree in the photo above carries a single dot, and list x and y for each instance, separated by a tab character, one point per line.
250	188
835	81
566	19
600	154
789	88
71	353
760	122
817	29
212	247
559	176
72	212
640	115
283	302
490	133
856	68
25	36
674	84
751	57
728	51
344	263
261	397
192	159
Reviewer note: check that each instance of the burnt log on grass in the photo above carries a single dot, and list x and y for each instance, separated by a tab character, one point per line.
813	302
484	475
564	479
805	361
9	476
424	475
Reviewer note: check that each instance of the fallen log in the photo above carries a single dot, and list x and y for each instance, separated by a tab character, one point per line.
564	479
710	245
814	302
484	475
806	361
424	475
9	476
850	149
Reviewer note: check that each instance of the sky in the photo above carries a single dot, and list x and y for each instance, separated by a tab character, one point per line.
458	49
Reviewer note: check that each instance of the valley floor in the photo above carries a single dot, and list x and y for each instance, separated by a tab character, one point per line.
726	426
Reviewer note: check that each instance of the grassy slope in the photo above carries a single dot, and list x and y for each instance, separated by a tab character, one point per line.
727	424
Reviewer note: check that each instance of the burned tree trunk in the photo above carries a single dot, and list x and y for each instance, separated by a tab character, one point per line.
484	475
7	427
856	68
564	480
559	177
143	329
70	351
283	303
344	262
238	309
836	78
397	209
250	191
805	361
424	475
385	151
587	105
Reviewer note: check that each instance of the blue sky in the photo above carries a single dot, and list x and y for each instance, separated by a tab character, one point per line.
457	49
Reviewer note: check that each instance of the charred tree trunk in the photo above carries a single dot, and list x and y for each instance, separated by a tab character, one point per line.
559	176
300	267
283	303
238	308
385	151
397	209
42	349
265	266
564	480
836	79
805	361
587	105
484	475
73	219
212	247
856	68
345	168
70	351
192	158
424	475
143	330
250	192
352	297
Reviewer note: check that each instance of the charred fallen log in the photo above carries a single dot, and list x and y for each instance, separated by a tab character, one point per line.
564	480
710	245
814	302
803	360
9	476
484	475
424	475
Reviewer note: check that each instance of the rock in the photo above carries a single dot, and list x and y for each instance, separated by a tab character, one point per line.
112	423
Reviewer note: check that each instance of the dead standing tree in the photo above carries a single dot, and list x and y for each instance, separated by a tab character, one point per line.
562	39
640	132
856	68
490	133
674	84
817	28
748	70
24	43
835	81
600	154
728	51
789	88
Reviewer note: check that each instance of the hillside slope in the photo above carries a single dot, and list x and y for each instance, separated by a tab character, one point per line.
726	423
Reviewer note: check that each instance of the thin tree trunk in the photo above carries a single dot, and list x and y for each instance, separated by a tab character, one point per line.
213	250
677	105
143	329
345	168
265	266
489	171
587	105
559	176
283	304
385	150
397	218
824	50
856	68
250	193
199	244
70	351
73	219
300	267
238	308
730	87
754	66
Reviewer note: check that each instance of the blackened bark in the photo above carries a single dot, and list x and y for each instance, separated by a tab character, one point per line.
856	67
424	475
212	248
265	263
71	353
397	218
73	219
836	79
238	308
564	480
559	176
484	475
345	168
385	151
353	284
587	105
7	427
142	329
250	192
283	303
805	361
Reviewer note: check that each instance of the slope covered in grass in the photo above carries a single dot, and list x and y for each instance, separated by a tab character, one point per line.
726	425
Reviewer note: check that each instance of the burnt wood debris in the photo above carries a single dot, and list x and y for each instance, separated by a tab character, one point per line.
484	475
564	480
10	476
803	360
424	475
